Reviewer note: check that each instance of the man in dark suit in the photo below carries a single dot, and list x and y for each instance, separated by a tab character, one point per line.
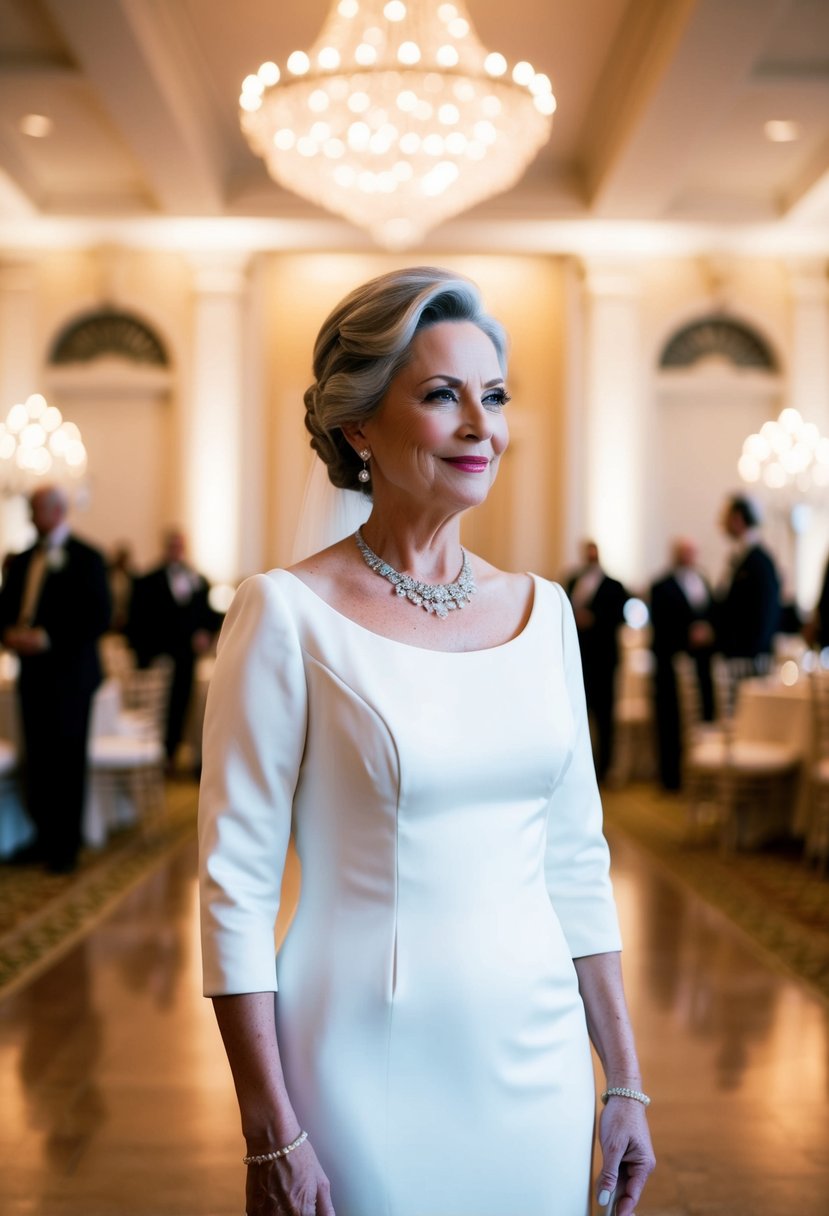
681	606
598	606
747	610
54	606
170	614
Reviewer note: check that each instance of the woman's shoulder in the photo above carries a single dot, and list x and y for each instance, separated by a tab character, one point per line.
518	585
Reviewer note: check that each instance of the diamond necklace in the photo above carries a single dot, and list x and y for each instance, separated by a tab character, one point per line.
439	598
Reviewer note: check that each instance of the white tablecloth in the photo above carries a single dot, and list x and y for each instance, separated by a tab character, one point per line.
769	711
15	826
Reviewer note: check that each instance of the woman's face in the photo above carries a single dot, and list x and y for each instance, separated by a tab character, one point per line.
440	430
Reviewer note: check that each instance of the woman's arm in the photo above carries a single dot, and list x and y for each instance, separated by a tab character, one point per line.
627	1153
292	1185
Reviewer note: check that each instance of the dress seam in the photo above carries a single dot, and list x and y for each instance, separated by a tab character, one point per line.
392	999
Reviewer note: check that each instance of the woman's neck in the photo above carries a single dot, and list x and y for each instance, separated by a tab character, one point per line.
428	549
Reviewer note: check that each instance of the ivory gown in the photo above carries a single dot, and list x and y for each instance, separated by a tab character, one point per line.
447	819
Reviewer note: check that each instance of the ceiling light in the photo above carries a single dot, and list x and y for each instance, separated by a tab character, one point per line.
443	123
782	130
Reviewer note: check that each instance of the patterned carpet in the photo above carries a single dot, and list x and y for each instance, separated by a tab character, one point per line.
42	915
771	894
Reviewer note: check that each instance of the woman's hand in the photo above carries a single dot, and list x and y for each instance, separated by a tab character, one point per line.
627	1154
290	1186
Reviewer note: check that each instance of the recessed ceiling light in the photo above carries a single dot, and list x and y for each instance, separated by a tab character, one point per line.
782	130
38	126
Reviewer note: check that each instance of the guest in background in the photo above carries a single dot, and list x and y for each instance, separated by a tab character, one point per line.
747	609
681	605
171	615
816	629
54	606
598	606
121	576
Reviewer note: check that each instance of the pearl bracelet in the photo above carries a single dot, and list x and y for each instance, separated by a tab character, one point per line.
622	1091
276	1153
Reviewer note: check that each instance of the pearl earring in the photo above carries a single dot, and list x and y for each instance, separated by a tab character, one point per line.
364	475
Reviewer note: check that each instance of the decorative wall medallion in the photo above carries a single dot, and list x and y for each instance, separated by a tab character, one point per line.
718	336
107	332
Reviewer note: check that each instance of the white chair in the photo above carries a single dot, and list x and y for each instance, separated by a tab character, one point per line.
127	767
743	786
633	717
117	659
145	697
817	828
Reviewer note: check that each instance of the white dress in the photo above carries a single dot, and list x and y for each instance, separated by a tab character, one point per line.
448	823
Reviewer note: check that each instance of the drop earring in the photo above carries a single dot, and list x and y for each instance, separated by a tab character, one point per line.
364	476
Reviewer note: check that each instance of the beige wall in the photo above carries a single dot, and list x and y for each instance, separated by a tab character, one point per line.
537	509
129	417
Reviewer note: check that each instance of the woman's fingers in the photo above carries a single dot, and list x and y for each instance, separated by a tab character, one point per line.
324	1205
627	1157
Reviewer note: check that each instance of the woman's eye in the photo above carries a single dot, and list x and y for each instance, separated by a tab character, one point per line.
498	399
442	394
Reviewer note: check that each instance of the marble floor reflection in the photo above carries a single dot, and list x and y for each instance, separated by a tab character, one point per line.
116	1100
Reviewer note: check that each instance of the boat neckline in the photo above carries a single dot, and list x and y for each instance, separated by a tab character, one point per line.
410	645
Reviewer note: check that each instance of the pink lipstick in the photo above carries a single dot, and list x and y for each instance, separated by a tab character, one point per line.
468	464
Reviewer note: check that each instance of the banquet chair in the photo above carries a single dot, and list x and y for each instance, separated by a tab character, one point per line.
743	787
117	659
634	755
128	765
817	828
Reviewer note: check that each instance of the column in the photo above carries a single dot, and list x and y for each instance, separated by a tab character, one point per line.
809	368
214	417
20	375
615	419
809	393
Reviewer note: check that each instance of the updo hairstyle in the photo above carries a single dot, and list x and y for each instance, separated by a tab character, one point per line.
367	340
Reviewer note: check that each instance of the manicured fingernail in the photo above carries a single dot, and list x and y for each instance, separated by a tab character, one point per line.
604	1198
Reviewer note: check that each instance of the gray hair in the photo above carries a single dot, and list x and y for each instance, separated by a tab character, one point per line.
367	340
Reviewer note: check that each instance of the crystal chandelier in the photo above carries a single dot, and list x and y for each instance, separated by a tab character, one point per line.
397	117
36	444
787	454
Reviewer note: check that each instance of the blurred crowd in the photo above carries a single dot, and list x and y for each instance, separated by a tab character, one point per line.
58	599
737	617
61	596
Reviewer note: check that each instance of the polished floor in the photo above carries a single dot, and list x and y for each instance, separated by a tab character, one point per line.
116	1099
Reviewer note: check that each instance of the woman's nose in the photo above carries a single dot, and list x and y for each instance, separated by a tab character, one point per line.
476	422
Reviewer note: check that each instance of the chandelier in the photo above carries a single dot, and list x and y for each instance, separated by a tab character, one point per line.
397	117
36	444
786	454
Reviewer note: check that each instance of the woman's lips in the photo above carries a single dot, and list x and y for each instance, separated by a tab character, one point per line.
468	464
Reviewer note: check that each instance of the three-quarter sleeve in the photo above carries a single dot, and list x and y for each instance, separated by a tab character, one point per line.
577	859
254	736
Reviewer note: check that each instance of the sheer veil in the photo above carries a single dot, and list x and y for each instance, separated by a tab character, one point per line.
327	514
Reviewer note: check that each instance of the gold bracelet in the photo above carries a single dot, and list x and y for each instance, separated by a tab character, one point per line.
276	1153
622	1091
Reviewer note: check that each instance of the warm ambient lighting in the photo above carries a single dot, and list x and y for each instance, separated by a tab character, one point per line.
37	126
36	444
397	117
782	131
786	454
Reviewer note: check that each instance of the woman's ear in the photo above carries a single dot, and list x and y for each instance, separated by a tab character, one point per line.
355	436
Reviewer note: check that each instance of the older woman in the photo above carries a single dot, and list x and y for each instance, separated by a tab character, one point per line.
415	718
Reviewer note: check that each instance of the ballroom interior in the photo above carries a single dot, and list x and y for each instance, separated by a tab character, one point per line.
661	265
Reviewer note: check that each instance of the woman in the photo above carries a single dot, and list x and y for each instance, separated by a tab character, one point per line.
435	992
